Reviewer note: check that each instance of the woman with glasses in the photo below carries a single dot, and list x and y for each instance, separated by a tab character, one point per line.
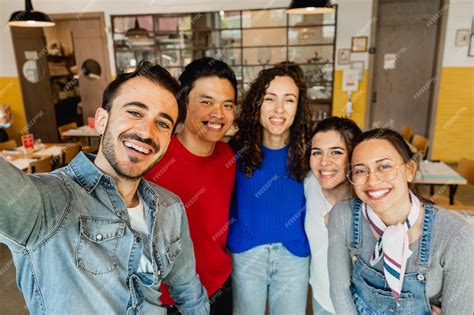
389	251
270	251
324	186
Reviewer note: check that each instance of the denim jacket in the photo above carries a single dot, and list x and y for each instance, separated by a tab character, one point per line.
75	253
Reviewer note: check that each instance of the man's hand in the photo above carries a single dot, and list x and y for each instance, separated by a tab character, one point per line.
435	310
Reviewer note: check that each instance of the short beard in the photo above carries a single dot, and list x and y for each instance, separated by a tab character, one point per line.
111	157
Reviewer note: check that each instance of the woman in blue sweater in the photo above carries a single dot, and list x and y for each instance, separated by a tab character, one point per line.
270	251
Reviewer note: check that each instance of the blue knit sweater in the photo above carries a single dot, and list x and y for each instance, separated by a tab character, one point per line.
268	207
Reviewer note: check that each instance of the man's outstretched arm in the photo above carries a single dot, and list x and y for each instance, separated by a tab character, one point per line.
20	203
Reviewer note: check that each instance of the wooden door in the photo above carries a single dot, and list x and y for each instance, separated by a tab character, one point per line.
90	42
404	72
29	44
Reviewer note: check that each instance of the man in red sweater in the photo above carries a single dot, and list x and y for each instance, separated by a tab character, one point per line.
200	169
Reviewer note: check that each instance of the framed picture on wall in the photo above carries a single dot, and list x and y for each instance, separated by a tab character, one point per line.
359	44
462	37
343	56
470	52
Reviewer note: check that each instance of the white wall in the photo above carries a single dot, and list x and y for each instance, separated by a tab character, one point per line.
354	18
460	16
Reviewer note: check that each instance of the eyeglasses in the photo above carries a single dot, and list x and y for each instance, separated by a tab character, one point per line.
384	173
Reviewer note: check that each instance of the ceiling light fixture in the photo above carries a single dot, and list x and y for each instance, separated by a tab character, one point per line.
30	18
310	7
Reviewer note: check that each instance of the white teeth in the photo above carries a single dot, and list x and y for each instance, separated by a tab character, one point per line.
214	126
378	193
327	173
136	147
277	120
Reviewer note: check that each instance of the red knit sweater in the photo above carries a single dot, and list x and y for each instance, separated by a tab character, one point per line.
204	185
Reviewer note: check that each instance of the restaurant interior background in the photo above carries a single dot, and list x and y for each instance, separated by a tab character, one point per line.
400	62
251	35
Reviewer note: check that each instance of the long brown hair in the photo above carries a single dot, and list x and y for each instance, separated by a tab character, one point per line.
250	133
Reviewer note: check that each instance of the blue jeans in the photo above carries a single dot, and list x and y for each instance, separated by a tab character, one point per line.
269	270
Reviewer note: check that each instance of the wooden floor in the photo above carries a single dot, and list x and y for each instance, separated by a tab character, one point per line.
11	301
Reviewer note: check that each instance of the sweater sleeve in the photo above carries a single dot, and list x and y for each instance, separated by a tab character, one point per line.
458	276
339	258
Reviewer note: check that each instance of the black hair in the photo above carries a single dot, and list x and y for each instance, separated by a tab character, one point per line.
153	72
206	67
347	128
395	139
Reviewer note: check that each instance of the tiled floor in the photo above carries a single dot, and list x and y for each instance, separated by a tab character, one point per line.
11	301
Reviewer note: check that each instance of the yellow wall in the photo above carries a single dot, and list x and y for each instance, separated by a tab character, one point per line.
358	99
454	122
10	94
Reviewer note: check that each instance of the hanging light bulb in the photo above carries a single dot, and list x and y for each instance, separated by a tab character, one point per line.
310	7
136	31
30	18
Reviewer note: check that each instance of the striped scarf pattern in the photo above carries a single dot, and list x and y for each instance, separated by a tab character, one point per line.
392	244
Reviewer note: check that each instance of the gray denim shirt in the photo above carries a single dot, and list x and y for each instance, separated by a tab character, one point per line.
75	253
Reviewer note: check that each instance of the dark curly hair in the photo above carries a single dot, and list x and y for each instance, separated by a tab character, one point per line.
249	136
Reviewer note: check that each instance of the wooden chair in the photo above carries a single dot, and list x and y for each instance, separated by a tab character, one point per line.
89	149
43	165
64	128
421	144
8	145
70	152
73	125
406	132
465	168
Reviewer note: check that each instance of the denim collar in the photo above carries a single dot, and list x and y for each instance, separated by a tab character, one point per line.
89	176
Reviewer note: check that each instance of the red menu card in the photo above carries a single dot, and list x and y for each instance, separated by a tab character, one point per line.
90	121
28	141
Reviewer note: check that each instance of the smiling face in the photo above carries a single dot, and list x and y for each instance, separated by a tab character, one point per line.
279	107
379	155
137	130
210	109
329	159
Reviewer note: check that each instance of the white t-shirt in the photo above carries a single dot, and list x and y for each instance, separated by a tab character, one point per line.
316	208
138	224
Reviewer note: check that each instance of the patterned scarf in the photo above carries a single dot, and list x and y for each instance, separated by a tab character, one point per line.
392	244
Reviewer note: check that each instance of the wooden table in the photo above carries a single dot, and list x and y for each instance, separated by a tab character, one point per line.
22	159
438	173
83	131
